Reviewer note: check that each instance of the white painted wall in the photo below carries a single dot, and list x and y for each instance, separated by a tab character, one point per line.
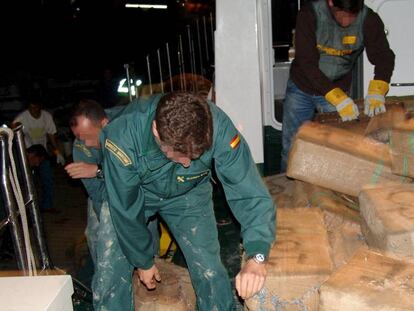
397	16
244	81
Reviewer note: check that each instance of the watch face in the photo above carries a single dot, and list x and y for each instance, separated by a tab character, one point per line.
99	173
260	257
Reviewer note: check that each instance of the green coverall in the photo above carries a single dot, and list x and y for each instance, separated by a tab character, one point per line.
142	181
111	281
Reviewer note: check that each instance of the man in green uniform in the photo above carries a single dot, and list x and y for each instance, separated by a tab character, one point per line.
158	159
111	282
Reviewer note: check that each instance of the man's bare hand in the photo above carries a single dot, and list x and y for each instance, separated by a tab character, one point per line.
149	277
250	279
81	170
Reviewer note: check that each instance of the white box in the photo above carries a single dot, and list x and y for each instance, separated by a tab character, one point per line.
37	293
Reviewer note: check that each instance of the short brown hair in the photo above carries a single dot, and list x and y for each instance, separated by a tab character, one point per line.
352	6
184	122
89	109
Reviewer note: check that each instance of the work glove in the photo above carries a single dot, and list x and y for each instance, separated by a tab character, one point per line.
59	158
344	104
375	100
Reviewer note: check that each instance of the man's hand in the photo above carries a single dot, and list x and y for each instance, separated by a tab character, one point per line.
60	159
148	277
81	170
250	279
344	105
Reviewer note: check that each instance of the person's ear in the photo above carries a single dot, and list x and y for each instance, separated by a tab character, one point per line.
104	122
154	129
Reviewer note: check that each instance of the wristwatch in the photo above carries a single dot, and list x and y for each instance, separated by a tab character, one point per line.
258	258
99	172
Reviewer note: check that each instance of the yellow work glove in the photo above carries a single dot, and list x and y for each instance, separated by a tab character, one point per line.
375	100
344	104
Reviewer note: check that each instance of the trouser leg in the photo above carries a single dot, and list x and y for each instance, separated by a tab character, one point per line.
47	184
152	225
193	225
298	108
91	231
112	280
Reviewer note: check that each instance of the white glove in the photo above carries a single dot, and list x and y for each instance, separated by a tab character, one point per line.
60	159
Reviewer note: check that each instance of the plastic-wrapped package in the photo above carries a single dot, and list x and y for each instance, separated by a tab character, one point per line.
339	160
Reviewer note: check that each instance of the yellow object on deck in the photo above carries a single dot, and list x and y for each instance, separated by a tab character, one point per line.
166	242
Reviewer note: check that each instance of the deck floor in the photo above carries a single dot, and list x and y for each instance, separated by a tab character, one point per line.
64	233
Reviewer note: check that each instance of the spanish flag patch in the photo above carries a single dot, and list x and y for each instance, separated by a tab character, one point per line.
234	143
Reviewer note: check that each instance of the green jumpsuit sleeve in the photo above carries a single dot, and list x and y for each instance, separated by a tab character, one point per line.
245	191
126	198
95	187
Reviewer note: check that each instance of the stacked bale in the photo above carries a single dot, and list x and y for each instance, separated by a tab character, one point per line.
173	293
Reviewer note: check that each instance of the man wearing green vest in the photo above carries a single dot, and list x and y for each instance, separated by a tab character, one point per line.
329	37
159	160
111	281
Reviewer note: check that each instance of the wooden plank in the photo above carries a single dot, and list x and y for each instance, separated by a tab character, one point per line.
339	160
8	273
370	281
388	214
299	262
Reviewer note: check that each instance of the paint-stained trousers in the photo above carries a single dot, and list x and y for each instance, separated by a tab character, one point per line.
191	220
112	278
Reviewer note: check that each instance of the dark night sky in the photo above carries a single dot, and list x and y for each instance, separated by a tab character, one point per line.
57	38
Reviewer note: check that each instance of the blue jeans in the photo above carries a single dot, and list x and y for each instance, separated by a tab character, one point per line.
298	107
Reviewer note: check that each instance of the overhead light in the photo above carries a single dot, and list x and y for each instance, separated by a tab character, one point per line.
146	6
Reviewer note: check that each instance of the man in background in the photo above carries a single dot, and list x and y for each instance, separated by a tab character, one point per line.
329	37
39	128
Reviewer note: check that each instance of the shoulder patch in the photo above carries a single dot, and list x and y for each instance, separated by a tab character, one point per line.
234	143
84	149
118	152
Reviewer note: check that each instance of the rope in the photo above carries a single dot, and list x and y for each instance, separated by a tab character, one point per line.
20	203
279	304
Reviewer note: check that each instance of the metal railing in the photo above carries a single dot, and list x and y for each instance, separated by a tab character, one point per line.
12	220
186	63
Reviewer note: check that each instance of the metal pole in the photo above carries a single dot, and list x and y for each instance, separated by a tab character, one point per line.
30	197
126	66
182	63
149	74
10	206
212	30
169	67
199	48
205	37
160	68
180	69
195	77
190	49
